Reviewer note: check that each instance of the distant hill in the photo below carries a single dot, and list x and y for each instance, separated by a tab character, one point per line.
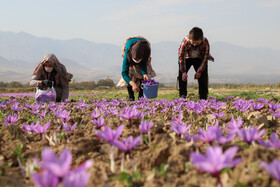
21	52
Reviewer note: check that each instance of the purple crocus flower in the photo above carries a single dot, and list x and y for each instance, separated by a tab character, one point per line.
151	111
69	128
45	179
234	126
164	110
215	160
2	104
274	142
16	108
257	106
113	111
76	179
177	108
274	107
38	129
42	114
262	100
188	137
177	120
37	112
229	97
250	134
129	113
180	128
10	119
214	133
52	106
99	122
199	108
81	105
60	167
128	144
218	115
190	105
242	105
272	168
276	114
63	115
108	134
218	105
145	126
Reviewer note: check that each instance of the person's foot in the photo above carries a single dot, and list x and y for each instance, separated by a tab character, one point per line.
131	99
183	96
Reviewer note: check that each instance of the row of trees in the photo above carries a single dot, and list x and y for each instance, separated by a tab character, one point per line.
89	85
74	84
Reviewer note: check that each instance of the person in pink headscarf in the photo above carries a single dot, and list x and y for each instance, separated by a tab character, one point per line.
50	72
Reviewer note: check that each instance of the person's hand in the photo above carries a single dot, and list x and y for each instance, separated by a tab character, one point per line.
184	76
49	84
145	77
197	75
135	88
45	82
40	83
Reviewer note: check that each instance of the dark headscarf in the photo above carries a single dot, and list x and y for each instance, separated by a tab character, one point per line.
139	50
51	58
61	72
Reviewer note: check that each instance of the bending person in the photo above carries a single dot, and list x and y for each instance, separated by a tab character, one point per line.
50	69
136	65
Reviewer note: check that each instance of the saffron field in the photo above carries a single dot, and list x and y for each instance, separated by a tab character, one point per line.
99	138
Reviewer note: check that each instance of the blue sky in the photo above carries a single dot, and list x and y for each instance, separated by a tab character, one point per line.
248	23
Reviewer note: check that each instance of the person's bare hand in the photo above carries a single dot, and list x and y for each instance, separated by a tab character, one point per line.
197	75
40	83
184	76
145	77
135	88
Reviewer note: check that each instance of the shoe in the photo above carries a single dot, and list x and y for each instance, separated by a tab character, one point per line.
183	96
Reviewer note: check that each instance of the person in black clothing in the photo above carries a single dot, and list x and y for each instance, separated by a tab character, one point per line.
194	51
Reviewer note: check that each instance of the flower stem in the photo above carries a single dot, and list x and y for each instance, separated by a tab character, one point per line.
112	159
149	136
20	165
122	162
219	179
131	162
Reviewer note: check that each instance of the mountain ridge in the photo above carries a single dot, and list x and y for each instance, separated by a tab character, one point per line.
88	60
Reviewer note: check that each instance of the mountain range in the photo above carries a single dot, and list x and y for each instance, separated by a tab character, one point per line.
21	52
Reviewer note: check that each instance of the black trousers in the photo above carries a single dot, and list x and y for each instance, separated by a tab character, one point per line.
202	81
131	93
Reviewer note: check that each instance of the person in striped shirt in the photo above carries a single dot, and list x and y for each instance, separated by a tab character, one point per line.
194	51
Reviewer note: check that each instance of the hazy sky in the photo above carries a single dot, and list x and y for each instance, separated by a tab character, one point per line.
248	23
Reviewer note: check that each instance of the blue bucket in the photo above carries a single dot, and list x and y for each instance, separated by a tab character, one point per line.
150	91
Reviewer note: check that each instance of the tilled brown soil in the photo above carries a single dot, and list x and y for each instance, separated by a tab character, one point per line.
165	149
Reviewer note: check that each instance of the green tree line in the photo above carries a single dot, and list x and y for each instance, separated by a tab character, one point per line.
85	85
